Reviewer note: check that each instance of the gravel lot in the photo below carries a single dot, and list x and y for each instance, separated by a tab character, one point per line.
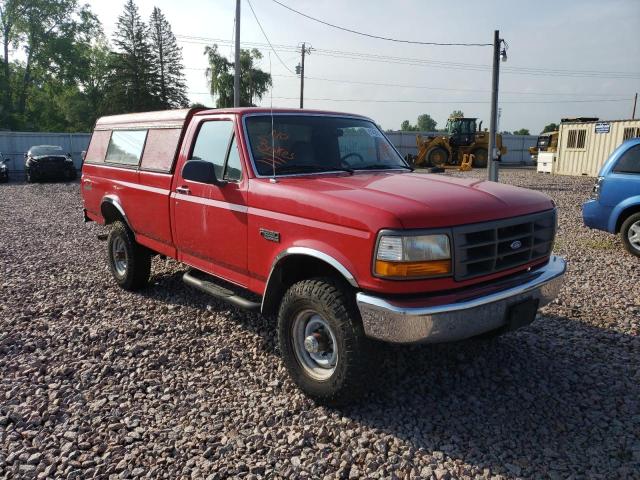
98	382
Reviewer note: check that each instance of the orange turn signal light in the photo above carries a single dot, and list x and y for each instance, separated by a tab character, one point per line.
413	269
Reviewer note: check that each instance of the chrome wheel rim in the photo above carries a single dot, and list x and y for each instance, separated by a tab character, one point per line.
119	254
315	345
634	235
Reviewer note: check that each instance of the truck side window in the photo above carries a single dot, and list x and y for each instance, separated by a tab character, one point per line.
126	146
629	161
233	171
212	144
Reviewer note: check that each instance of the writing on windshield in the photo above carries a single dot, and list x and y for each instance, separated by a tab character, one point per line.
269	153
315	143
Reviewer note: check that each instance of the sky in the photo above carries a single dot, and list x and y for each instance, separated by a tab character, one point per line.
556	42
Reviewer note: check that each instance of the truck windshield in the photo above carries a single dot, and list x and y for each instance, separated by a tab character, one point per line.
41	150
316	143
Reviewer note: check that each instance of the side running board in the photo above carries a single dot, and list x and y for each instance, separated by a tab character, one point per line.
205	283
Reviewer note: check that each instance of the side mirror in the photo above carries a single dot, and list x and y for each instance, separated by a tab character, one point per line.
200	171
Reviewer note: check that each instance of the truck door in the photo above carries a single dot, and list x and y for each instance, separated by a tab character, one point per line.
210	219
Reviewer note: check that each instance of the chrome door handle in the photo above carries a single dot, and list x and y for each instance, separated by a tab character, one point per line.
183	190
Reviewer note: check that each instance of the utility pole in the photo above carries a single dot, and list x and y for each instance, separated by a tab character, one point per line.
300	70
635	101
493	124
236	75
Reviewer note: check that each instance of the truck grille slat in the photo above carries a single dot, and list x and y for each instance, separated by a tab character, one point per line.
490	247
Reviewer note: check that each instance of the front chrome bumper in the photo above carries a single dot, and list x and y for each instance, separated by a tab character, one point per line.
456	316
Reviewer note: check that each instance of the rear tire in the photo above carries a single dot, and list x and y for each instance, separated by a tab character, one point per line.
437	156
129	262
480	158
336	372
630	233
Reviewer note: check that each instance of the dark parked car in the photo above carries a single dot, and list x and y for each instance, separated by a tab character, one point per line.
4	170
48	162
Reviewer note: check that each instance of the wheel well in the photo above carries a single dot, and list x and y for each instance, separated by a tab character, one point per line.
110	213
626	214
292	269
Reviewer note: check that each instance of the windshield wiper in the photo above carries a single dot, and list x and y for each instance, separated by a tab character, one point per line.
384	166
311	168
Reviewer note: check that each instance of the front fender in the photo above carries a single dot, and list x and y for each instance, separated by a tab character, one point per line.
321	252
324	253
619	210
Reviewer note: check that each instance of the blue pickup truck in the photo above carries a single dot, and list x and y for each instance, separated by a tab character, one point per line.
615	201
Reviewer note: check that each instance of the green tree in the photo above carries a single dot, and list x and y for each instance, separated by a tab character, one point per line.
167	57
254	83
457	113
426	123
52	35
135	76
552	127
522	131
11	13
96	83
406	126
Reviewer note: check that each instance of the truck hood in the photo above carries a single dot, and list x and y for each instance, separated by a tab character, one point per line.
415	200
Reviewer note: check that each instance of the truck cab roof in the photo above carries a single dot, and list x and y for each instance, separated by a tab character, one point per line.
178	118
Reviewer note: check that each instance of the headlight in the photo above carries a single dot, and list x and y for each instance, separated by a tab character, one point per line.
412	256
595	193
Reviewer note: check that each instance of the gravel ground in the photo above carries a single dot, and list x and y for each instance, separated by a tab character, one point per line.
168	383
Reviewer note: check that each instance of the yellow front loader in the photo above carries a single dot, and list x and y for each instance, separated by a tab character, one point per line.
547	142
464	137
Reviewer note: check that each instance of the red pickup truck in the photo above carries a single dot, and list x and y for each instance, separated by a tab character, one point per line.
315	217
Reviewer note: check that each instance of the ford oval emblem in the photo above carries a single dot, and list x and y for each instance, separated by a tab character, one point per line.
515	245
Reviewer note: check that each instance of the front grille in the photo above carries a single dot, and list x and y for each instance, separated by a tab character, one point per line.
51	164
486	248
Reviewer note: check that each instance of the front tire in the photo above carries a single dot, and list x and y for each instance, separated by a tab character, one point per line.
630	233
129	262
438	156
480	158
30	178
322	341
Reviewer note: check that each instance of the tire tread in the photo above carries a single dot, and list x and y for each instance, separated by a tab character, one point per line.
348	382
138	261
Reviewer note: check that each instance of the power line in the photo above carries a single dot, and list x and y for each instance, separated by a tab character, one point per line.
422	62
415	42
451	102
445	102
267	38
476	67
446	89
399	85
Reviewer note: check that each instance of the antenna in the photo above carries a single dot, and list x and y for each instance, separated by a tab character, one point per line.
273	146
